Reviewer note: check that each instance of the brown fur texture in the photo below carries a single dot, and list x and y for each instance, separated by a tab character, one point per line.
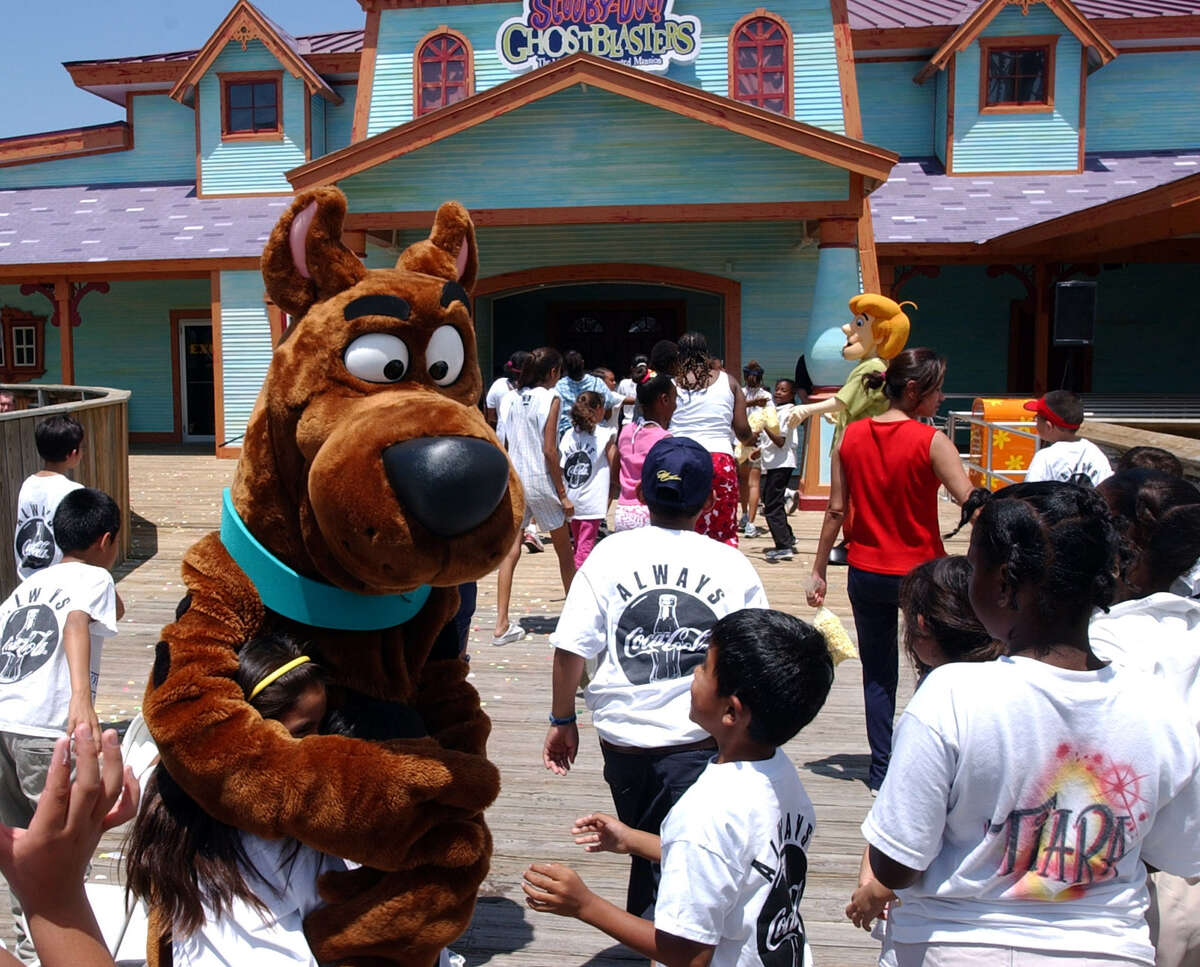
312	487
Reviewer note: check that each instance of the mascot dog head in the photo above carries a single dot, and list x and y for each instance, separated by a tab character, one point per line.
366	463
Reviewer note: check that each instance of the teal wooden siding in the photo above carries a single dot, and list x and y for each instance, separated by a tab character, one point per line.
164	149
125	341
776	269
591	147
339	118
1119	95
963	314
896	113
1018	142
245	348
248	167
317	122
941	116
817	94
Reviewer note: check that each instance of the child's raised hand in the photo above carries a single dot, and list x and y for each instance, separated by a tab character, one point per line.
46	863
554	888
601	833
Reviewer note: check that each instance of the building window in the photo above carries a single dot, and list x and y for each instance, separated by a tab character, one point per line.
443	70
251	106
760	62
1016	74
21	345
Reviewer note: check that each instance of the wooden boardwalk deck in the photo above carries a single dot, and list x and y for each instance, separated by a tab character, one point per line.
175	498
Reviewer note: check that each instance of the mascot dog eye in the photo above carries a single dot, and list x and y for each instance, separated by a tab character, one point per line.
369	486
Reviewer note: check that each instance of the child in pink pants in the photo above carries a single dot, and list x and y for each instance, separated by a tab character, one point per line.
588	453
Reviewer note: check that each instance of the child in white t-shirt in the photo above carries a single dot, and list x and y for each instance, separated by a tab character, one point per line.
588	455
52	629
1069	458
1024	794
227	896
734	847
59	440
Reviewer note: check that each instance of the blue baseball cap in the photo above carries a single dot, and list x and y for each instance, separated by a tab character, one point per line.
677	476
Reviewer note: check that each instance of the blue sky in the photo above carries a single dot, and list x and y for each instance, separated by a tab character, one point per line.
36	94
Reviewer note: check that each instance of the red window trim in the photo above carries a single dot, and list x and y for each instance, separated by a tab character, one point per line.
468	58
251	77
1047	42
786	31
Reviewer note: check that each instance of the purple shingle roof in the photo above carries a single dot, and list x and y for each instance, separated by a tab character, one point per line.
119	223
921	203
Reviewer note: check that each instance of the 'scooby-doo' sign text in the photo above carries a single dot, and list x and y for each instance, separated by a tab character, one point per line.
639	33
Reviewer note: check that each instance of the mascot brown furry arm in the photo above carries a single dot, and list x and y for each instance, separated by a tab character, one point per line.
369	486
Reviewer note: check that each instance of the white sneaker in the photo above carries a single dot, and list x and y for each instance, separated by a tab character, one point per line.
751	530
514	633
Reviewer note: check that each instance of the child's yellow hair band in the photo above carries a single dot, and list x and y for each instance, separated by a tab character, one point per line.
279	673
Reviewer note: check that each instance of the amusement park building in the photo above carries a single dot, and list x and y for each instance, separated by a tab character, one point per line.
634	168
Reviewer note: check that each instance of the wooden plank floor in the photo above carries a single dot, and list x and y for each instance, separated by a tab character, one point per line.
175	498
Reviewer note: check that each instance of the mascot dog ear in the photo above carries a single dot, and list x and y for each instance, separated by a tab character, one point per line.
449	252
305	261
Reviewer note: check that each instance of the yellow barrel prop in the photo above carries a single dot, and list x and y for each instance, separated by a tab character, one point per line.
1009	451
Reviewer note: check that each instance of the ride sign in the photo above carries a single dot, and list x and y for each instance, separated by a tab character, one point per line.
638	33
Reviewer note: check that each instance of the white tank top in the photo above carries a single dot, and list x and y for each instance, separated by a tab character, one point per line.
524	426
706	415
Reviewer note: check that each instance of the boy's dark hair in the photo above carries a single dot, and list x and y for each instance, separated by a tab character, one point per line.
512	368
664	356
1057	536
1066	405
84	516
786	379
1150	458
651	389
573	364
57	437
937	591
778	667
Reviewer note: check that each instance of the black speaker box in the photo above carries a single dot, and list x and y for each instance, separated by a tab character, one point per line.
1074	313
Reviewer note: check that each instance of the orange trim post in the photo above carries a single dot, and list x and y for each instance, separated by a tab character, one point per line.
66	338
218	366
1041	327
366	78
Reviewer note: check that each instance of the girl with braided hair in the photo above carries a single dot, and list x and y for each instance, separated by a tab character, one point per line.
1026	793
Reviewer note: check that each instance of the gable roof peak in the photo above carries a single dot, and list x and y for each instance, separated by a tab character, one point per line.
245	23
977	20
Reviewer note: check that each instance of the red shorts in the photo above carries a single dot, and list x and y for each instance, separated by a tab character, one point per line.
720	522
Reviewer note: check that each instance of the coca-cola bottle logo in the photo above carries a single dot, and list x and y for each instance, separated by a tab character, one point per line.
663	635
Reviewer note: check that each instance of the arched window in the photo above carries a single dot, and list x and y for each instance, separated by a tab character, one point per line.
442	71
760	62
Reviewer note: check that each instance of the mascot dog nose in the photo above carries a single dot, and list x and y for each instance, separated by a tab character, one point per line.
449	484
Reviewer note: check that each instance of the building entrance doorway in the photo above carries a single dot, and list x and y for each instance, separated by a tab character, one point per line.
608	323
197	413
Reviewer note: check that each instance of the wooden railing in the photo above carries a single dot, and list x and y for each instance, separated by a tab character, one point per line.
104	414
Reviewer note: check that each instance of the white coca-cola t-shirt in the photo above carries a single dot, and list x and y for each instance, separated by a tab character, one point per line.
586	471
735	864
33	540
644	599
35	682
1030	795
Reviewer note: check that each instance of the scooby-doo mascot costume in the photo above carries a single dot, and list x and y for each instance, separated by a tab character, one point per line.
369	486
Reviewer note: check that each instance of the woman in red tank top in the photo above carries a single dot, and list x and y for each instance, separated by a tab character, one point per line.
889	468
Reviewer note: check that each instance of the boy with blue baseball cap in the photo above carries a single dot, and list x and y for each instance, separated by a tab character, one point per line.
645	600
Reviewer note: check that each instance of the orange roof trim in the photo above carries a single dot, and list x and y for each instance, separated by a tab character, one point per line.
71	143
1079	25
245	23
873	163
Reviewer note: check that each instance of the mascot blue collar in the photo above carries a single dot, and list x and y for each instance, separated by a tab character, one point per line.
302	599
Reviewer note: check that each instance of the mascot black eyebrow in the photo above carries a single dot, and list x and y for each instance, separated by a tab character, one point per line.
369	486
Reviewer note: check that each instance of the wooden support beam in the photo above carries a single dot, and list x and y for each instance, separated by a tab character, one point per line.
66	336
1041	327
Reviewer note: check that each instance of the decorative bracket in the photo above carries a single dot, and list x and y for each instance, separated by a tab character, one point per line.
78	291
1021	272
906	273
